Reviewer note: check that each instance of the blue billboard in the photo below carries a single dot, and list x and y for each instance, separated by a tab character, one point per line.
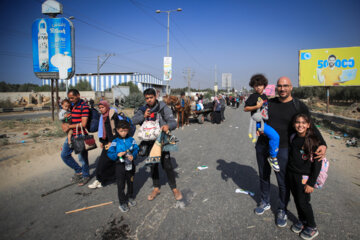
53	48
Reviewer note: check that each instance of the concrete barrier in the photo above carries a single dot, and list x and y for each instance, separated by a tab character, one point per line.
337	119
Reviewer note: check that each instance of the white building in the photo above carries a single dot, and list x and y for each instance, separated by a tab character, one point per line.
107	80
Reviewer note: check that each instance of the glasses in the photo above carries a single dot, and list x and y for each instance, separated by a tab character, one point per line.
283	86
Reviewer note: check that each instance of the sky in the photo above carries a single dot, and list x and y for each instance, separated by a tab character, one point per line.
242	37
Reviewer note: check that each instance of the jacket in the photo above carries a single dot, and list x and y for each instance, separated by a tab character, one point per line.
166	116
122	145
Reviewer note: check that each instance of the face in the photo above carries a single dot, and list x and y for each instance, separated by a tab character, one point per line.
122	132
73	98
259	89
284	87
332	61
301	126
102	109
150	100
66	106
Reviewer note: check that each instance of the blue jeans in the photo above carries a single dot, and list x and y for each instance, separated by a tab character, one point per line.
70	161
274	139
262	152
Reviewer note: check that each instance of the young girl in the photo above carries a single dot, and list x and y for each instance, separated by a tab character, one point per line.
303	170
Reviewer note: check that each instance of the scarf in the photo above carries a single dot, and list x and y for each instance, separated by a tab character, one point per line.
104	116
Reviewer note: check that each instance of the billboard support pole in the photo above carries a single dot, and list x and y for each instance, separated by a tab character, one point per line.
57	96
52	99
327	99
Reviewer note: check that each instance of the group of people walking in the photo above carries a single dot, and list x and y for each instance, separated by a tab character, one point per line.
288	142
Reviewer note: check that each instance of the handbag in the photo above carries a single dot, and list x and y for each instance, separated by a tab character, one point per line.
83	142
149	130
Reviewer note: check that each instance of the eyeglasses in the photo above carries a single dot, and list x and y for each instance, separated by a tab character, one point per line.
283	86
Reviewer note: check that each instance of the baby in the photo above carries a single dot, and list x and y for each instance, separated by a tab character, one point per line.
65	117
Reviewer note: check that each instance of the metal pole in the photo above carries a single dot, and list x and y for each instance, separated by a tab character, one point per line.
98	74
167	49
57	96
52	99
188	76
216	83
328	99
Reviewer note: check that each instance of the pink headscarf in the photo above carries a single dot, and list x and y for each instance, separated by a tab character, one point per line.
105	115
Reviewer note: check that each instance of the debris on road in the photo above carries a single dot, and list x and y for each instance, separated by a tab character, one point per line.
90	207
240	190
202	167
351	142
250	227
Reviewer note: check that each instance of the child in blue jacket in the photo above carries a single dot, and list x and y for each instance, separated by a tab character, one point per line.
124	150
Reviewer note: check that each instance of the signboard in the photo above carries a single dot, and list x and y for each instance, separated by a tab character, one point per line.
329	67
270	90
167	68
226	80
53	48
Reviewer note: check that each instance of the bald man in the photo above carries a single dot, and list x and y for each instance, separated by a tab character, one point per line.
281	111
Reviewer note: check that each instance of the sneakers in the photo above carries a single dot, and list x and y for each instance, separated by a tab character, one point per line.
274	164
281	218
297	227
262	208
124	207
76	178
84	181
95	184
309	233
132	202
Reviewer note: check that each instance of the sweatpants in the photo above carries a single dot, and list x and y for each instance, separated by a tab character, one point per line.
301	199
274	138
122	177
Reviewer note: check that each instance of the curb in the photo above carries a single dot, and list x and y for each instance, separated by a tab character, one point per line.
337	119
23	109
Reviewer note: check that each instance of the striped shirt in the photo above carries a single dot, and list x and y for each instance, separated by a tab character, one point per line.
80	110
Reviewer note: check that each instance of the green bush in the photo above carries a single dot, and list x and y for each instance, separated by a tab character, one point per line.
133	87
134	100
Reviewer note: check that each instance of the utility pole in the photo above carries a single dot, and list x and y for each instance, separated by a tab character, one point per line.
99	65
189	76
216	82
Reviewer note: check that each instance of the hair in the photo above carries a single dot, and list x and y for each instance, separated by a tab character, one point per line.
150	91
65	101
74	92
311	140
332	55
258	80
122	124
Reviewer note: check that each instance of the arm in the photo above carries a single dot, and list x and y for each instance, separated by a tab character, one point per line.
112	151
168	118
138	117
315	171
135	149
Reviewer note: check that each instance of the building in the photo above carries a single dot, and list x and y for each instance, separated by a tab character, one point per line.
107	80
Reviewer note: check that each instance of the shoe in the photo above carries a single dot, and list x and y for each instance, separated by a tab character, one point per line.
83	181
281	219
132	202
177	194
153	194
274	164
76	178
297	227
124	207
262	208
95	184
309	233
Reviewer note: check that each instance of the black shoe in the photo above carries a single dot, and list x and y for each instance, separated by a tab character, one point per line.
124	208
132	202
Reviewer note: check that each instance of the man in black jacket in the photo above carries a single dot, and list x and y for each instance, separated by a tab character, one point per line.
282	109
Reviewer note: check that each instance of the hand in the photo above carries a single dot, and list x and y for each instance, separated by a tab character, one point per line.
320	152
308	189
130	157
120	154
259	103
147	113
258	133
107	146
65	127
165	128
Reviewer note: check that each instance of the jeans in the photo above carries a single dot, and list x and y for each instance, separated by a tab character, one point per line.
70	161
274	139
262	152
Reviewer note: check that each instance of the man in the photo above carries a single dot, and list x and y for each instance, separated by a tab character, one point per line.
223	105
281	111
167	122
79	116
331	73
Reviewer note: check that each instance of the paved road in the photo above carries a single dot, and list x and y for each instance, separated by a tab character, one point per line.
22	116
211	210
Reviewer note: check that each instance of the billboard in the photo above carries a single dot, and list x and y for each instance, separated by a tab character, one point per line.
329	67
167	69
270	90
226	80
53	48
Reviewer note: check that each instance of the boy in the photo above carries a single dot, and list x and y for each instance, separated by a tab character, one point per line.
65	117
258	100
124	150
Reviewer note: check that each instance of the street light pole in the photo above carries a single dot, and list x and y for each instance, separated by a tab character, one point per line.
168	39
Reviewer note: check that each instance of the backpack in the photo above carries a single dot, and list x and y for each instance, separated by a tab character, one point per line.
320	181
122	116
92	124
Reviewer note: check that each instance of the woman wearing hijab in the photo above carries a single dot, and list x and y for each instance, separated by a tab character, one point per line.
217	111
105	169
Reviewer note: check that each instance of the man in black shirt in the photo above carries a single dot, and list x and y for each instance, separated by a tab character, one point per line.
281	111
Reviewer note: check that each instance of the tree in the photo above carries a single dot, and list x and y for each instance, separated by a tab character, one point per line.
133	87
83	85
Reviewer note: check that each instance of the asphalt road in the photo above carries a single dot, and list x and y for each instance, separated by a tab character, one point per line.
22	116
211	209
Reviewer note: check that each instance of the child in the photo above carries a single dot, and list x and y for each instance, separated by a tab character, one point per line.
124	150
65	117
258	100
302	162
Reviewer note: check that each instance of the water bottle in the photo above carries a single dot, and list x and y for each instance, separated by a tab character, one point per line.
128	163
43	47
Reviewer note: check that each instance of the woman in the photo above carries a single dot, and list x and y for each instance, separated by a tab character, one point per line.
217	111
105	169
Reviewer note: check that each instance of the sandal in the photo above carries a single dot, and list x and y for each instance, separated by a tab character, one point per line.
153	194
